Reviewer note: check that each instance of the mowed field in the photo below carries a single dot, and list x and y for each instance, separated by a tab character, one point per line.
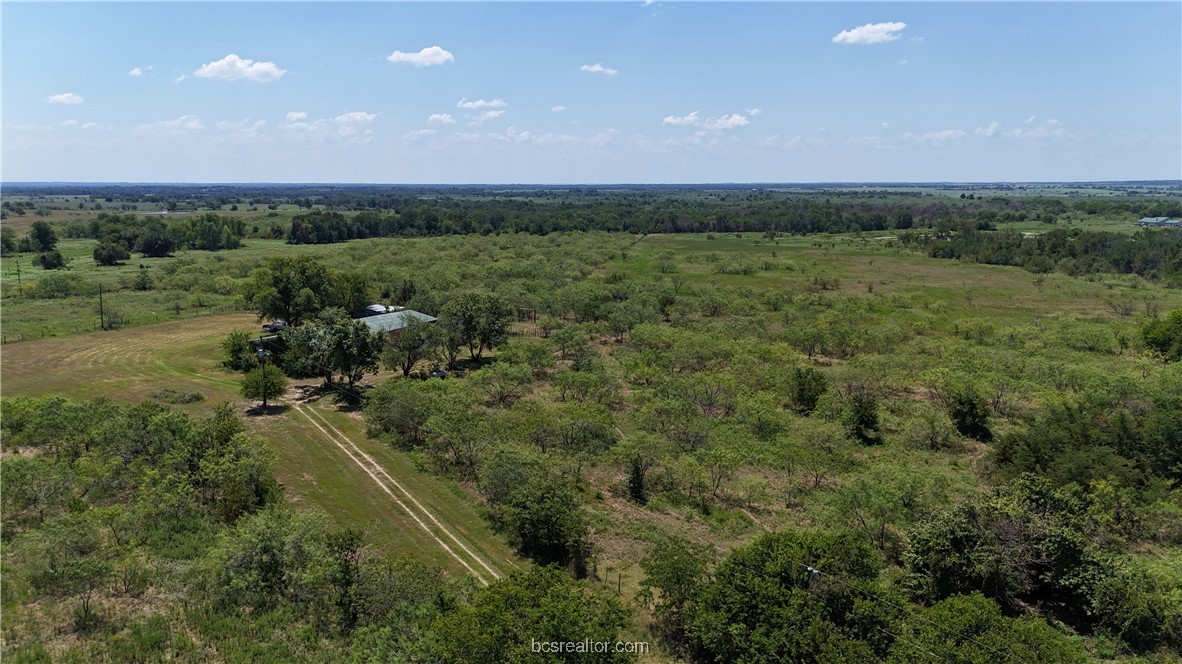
324	458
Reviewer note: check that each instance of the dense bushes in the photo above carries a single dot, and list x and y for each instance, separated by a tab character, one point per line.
50	260
817	597
1029	543
109	503
1164	335
764	602
110	253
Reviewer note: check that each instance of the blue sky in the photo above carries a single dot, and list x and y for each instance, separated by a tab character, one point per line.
591	92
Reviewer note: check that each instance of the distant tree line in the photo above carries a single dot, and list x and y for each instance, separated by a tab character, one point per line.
1148	252
154	237
412	217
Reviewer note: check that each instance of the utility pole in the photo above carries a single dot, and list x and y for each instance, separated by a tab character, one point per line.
263	360
18	275
102	317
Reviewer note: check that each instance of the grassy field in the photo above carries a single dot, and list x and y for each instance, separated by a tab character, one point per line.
182	355
999	321
183	287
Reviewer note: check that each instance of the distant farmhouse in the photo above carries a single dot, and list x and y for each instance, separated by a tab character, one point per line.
1163	222
391	320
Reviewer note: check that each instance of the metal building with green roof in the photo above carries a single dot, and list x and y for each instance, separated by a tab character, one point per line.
393	322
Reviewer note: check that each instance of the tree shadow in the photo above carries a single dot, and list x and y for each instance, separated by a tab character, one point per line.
271	409
345	399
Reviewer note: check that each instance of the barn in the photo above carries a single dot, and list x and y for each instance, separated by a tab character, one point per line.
1160	222
394	322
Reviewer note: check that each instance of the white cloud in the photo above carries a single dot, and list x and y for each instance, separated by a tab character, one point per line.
754	111
355	118
1029	119
936	137
480	103
240	131
693	120
513	135
903	62
886	125
432	55
987	131
864	141
696	138
64	98
82	125
191	122
181	77
598	68
416	135
871	33
802	142
136	72
684	120
441	118
1048	129
557	109
233	68
485	117
727	122
243	126
178	127
348	127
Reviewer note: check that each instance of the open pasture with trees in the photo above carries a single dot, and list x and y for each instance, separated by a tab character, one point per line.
929	439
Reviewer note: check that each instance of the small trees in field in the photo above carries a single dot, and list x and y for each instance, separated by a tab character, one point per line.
264	383
110	253
481	320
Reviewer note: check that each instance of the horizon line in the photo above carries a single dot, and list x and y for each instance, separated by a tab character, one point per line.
586	184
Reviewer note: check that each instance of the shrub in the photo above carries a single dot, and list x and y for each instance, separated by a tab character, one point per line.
155	244
931	430
143	280
808	384
51	260
169	395
763	604
1164	335
53	286
969	411
239	355
861	416
110	253
264	383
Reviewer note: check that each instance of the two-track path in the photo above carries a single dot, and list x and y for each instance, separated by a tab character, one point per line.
423	516
323	456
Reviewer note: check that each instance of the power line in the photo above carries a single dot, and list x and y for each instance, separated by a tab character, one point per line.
1012	657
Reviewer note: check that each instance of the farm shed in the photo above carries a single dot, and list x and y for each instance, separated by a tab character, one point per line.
392	323
1159	221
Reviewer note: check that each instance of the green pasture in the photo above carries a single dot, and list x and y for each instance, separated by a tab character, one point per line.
184	355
